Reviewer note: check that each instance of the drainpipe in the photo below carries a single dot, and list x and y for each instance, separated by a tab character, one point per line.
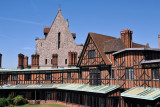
116	70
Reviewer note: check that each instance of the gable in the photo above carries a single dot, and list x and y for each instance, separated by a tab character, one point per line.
85	60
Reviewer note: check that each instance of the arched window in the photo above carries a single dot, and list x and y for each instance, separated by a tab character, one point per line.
59	34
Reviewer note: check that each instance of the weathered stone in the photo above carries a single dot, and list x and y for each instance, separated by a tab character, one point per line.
48	46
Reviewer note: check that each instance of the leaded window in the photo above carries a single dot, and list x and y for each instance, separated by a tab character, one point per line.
155	73
27	77
95	77
91	54
48	76
69	75
129	73
14	77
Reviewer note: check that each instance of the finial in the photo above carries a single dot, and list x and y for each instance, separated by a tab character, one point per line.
59	9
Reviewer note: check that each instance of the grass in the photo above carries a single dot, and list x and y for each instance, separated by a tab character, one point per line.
41	105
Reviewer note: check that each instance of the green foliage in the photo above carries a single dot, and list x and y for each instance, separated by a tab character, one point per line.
3	102
11	105
10	99
18	100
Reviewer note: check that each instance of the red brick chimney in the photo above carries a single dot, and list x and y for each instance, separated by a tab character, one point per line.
0	60
35	61
26	62
55	60
20	61
126	37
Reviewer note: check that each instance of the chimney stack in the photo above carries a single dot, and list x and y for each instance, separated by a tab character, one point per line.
20	61
26	62
126	37
159	40
0	60
35	61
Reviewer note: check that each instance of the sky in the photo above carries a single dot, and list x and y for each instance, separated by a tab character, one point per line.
21	21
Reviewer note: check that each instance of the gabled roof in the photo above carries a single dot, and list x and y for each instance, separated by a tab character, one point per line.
114	45
98	39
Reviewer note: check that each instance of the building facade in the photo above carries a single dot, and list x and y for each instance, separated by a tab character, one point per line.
111	72
58	48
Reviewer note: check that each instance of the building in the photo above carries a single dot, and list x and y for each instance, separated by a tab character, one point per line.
58	48
111	72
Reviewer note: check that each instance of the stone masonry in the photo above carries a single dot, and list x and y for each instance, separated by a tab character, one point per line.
48	46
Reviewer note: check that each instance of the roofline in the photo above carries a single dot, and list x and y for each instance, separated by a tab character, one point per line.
150	61
136	49
27	70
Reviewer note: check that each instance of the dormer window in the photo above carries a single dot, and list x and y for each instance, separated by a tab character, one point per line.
59	34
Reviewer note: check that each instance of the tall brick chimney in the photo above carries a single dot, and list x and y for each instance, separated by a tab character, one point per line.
126	37
26	62
35	61
159	40
20	61
0	60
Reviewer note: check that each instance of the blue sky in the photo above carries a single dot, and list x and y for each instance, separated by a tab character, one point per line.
21	21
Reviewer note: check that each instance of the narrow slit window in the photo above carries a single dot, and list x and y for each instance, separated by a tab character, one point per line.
45	61
65	61
59	35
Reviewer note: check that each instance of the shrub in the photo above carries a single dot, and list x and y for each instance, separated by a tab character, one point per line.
18	100
3	102
10	99
26	101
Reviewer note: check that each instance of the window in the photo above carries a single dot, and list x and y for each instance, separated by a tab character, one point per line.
69	75
59	40
48	77
95	77
51	61
65	61
80	75
45	61
155	73
41	44
27	77
129	74
91	53
112	74
14	77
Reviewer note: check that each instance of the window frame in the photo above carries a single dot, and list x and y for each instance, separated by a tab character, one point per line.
156	74
27	77
48	76
130	75
14	77
94	77
68	75
91	54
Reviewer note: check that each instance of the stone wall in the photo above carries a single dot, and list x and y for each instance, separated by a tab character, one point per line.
45	47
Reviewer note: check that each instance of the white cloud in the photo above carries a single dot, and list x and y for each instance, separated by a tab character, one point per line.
19	20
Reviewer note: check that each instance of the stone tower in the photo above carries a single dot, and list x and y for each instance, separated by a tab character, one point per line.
54	49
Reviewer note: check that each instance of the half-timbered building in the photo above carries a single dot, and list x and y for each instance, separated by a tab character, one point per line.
111	72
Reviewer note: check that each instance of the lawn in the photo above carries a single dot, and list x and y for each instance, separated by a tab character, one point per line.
42	105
